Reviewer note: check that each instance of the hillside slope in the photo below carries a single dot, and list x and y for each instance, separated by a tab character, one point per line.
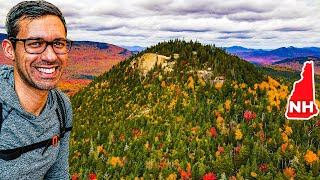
198	113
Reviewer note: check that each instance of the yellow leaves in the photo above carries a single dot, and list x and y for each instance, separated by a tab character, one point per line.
104	84
275	92
172	87
284	137
186	95
218	85
163	84
253	92
201	81
217	154
194	130
269	108
220	119
150	95
179	118
247	101
318	103
289	172
147	145
284	147
137	178
99	148
243	85
253	174
76	156
198	139
288	130
184	102
172	104
191	83
172	176
291	147
227	104
238	134
283	95
311	157
273	82
114	161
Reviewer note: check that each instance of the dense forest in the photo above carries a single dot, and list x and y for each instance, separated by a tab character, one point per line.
179	125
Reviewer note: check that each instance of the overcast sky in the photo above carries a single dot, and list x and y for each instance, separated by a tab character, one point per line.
249	23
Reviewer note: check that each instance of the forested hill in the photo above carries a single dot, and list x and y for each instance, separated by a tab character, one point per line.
182	110
194	55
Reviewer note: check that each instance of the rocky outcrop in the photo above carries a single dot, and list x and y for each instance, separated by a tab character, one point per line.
149	60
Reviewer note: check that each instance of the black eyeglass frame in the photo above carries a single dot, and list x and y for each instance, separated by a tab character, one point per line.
12	39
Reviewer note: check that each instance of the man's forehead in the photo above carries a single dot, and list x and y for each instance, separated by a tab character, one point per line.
42	26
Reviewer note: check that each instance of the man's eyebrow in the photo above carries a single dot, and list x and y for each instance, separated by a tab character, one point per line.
60	39
34	38
39	38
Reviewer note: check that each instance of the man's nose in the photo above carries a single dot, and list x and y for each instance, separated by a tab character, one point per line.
49	54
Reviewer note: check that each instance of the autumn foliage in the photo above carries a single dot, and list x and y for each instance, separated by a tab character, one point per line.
172	125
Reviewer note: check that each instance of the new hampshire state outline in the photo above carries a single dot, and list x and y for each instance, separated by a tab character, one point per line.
301	102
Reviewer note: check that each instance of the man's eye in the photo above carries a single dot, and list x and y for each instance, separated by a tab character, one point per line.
59	43
34	43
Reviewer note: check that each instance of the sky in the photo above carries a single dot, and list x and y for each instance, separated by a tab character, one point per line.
249	23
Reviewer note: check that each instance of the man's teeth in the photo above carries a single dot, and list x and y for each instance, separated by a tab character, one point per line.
48	71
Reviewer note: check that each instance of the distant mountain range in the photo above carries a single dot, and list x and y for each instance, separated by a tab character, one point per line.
261	56
86	61
134	49
297	63
299	60
237	49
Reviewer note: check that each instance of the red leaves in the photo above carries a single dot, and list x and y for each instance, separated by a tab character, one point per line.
209	176
185	174
75	177
93	177
136	132
263	167
212	132
237	149
220	149
249	115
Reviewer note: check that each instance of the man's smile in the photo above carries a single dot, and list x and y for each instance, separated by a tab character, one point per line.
47	70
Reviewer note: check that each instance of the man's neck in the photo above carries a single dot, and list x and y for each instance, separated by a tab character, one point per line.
31	99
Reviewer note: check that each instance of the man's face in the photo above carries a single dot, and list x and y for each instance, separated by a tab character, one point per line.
41	71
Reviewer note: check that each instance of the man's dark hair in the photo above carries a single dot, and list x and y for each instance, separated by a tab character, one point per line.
30	10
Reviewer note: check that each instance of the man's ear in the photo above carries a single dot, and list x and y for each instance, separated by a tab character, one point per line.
8	49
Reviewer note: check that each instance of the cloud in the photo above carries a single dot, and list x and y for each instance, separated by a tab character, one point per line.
249	23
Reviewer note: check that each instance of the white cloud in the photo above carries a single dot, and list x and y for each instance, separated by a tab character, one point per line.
251	23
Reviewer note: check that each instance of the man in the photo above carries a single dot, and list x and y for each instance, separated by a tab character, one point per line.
35	117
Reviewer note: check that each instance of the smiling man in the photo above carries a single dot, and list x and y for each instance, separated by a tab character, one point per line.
35	118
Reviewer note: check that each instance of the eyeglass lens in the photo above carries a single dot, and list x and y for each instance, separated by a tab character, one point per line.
37	46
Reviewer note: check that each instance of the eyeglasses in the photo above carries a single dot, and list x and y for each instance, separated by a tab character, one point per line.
39	45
